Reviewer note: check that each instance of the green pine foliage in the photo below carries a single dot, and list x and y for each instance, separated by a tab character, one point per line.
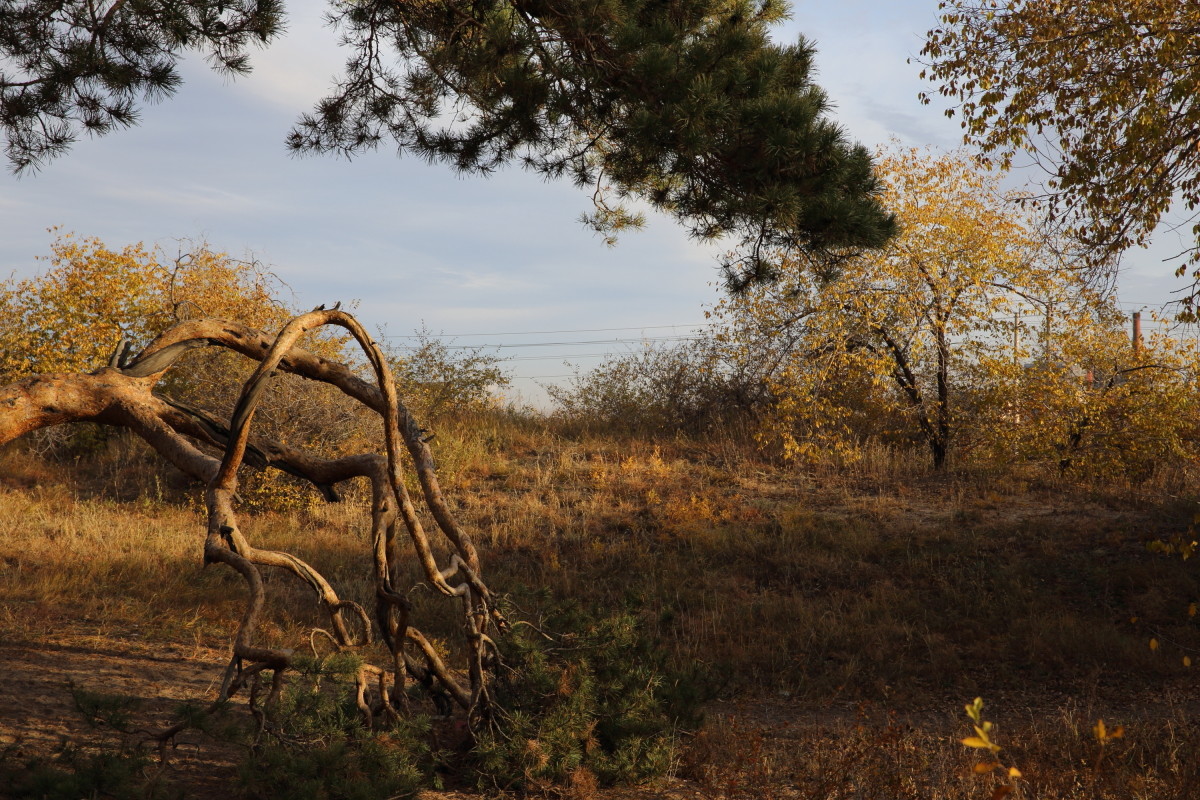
357	766
123	770
102	709
594	701
315	744
590	701
686	104
73	773
73	66
683	104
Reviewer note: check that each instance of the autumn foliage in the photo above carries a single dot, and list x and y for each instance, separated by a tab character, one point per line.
1100	94
972	336
72	316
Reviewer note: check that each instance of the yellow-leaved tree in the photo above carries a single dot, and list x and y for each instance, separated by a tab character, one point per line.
1089	402
907	333
972	335
72	316
1100	93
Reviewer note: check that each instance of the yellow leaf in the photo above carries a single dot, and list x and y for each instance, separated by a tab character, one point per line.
1099	730
1117	732
1013	772
1154	644
1187	661
982	768
975	741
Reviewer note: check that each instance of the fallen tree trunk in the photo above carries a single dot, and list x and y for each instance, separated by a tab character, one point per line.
122	394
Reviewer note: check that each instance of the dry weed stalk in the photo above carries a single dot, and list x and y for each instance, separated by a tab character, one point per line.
122	394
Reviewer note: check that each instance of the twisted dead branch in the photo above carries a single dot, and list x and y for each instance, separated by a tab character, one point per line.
122	394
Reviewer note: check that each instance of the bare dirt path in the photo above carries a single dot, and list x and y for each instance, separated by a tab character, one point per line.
36	704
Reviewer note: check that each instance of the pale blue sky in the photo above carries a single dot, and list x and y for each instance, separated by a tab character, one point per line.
413	242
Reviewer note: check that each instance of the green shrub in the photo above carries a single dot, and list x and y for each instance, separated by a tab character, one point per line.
316	745
591	704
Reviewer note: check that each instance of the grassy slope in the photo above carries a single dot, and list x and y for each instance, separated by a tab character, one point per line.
836	595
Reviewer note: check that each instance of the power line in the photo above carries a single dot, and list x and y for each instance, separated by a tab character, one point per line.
545	333
571	343
564	356
1149	323
1135	304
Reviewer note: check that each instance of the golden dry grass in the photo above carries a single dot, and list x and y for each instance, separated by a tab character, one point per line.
886	755
838	596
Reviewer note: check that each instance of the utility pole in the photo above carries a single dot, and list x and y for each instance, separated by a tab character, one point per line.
1046	333
1016	334
1137	333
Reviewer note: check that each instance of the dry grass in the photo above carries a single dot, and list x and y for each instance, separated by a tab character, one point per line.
884	756
823	590
817	587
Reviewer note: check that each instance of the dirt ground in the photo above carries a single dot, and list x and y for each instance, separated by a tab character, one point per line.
38	712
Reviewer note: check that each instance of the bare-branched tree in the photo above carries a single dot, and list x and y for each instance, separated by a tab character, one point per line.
123	394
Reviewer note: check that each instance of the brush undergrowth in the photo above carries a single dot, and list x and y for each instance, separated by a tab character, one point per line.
872	754
314	744
72	773
582	701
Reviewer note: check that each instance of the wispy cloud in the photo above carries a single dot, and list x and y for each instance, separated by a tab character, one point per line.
477	281
193	197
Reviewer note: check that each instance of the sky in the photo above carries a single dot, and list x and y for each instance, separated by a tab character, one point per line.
483	261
